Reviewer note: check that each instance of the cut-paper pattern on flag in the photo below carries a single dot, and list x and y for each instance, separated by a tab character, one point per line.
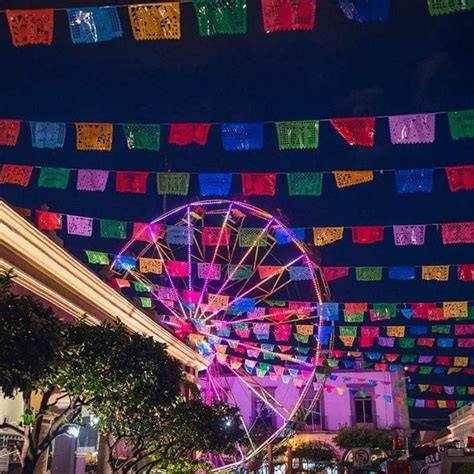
259	184
16	174
173	183
54	178
150	265
458	233
445	7
298	135
221	17
365	10
367	235
177	269
401	273
178	234
305	184
210	271
356	131
112	229
131	181
351	178
188	133
142	137
368	273
9	132
46	220
435	272
213	236
155	21
411	129
146	232
29	27
298	273
414	181
288	235
92	180
94	25
78	225
47	134
460	178
215	184
327	235
100	258
466	272
409	234
461	124
249	236
335	273
239	272
242	136
94	136
288	15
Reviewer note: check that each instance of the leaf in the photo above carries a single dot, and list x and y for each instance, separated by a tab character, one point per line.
28	417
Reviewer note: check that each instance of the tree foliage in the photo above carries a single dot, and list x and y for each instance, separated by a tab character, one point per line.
320	453
116	370
165	436
33	342
126	379
376	439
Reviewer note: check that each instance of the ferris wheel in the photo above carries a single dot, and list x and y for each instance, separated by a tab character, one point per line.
239	286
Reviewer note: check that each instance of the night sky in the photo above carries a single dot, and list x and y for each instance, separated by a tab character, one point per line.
411	63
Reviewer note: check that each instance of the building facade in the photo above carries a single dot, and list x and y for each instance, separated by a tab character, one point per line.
460	431
350	398
43	269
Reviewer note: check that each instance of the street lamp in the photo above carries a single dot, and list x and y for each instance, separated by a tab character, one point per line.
72	430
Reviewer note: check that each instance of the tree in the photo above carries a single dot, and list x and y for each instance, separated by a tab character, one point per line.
378	440
375	439
104	367
34	342
166	437
319	453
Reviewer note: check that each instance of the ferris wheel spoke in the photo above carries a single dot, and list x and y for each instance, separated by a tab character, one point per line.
280	355
210	267
171	282
262	395
202	255
255	287
256	263
246	428
252	270
246	254
189	242
214	381
255	267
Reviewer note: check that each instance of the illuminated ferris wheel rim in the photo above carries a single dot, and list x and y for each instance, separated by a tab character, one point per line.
258	212
220	207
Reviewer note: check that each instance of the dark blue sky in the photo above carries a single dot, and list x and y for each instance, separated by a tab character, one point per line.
412	63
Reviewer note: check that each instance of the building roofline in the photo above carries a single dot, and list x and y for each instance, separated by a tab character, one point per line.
48	270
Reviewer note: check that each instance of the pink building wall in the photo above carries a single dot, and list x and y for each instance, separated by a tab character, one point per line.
337	407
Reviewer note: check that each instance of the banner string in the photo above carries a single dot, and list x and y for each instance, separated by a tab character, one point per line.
265	122
381	171
431	224
120	5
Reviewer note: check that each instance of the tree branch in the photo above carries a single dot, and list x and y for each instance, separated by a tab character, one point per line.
143	456
13	428
51	405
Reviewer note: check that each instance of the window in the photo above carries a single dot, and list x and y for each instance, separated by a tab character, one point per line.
363	410
263	414
314	416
